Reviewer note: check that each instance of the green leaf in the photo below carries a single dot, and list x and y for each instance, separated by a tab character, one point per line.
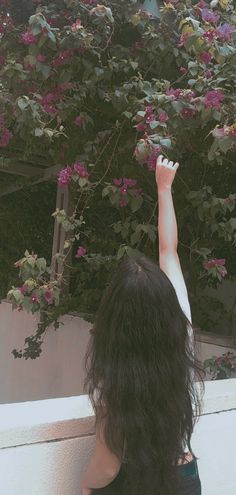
225	144
154	124
191	82
232	222
38	132
177	105
136	203
46	70
166	142
52	36
134	65
132	253
121	252
23	102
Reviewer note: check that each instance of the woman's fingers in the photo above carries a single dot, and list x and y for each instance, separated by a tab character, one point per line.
161	161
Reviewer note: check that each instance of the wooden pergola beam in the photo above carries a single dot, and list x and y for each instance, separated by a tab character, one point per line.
48	174
9	167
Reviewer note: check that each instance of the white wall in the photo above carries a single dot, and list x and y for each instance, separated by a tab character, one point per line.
59	371
45	444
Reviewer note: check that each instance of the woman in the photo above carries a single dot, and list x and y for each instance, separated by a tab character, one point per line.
141	372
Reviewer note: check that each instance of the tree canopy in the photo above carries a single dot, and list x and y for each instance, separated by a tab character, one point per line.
102	89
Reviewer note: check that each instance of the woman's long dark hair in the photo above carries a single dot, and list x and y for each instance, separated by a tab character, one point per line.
140	376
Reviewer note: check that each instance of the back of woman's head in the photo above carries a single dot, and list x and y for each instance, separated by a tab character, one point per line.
140	375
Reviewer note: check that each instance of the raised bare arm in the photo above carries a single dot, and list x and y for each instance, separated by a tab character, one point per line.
168	231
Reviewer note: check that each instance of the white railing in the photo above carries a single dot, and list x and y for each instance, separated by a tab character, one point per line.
45	444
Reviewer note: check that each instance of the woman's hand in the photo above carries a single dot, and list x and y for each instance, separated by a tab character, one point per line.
86	491
165	172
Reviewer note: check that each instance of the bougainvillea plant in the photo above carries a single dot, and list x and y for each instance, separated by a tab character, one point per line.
221	367
103	89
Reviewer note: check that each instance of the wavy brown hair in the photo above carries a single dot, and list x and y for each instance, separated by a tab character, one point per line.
141	375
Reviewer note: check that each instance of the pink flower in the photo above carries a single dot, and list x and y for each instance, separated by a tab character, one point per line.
79	120
201	4
41	58
150	118
183	70
2	60
29	67
176	93
221	132
34	298
188	113
206	57
76	26
63	58
123	190
210	35
6	22
183	39
49	296
208	74
81	251
189	95
141	127
213	98
50	109
49	98
209	16
28	39
23	289
216	263
225	31
151	161
80	169
64	176
117	182
149	110
123	203
5	137
47	102
163	117
129	182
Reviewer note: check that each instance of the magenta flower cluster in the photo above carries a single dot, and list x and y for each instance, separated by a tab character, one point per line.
79	120
63	57
149	116
77	169
146	152
81	251
216	263
5	137
209	16
125	186
224	32
206	57
213	98
28	38
48	101
220	132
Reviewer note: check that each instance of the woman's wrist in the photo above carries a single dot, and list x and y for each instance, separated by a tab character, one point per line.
163	188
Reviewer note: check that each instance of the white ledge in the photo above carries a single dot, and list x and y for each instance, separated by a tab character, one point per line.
70	417
44	420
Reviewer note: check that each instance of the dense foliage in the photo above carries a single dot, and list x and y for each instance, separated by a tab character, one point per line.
102	90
